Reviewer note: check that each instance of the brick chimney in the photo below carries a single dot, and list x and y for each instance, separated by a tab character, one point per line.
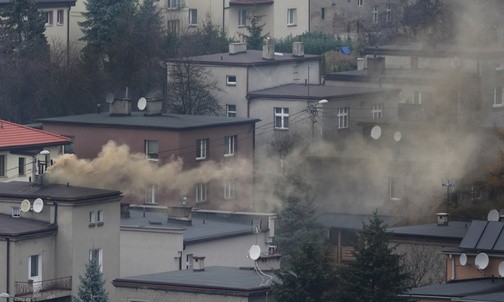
269	49
375	66
120	107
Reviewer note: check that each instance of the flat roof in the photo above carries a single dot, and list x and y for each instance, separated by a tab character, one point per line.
139	120
317	92
47	3
459	289
20	227
454	230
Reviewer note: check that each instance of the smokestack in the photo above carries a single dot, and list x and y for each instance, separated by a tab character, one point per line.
360	63
236	48
297	49
269	49
198	264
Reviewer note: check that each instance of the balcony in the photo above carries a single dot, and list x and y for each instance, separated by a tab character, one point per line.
42	290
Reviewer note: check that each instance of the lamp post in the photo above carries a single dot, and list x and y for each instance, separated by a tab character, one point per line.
448	185
313	111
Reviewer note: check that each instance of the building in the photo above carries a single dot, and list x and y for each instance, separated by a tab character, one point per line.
209	143
49	232
26	152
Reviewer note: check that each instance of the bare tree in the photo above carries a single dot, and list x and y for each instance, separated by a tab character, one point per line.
425	264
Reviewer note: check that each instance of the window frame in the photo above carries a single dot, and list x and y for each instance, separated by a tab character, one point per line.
99	251
291	17
360	3
229	110
283	116
388	12
242	18
49	18
60	17
374	13
230	81
148	144
322	13
21	166
392	189
230	145
230	189
3	165
343	117
498	99
377	111
202	146
172	4
38	268
201	195
151	194
417	97
193	17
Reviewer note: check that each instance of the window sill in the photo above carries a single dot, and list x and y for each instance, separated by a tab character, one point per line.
281	129
60	24
291	25
193	25
202	202
91	224
200	158
230	84
498	106
100	223
242	26
229	155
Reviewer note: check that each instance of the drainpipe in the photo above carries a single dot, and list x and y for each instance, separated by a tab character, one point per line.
8	267
309	16
68	38
223	14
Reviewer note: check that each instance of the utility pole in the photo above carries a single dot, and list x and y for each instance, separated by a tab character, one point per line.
313	111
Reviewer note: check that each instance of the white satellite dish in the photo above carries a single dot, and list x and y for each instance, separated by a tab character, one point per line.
455	62
109	98
501	269
463	259
255	252
397	136
142	103
376	132
25	205
481	261
493	215
38	205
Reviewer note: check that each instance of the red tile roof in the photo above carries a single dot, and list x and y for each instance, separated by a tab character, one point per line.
15	135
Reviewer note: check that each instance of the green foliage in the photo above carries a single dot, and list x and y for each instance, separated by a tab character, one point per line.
376	274
255	38
92	285
314	43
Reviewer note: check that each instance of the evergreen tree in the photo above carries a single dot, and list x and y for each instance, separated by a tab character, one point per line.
255	38
376	274
92	285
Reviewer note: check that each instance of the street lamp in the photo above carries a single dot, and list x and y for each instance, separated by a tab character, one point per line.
313	111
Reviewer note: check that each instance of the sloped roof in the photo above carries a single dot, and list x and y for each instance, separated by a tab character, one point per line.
18	227
484	236
459	289
14	136
454	230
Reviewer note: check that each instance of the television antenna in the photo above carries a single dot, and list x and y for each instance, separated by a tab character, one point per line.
25	206
376	132
38	205
463	259
142	103
481	261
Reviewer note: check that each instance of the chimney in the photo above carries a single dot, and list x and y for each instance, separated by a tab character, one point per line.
442	219
180	213
125	212
236	48
120	107
360	63
269	49
297	49
375	66
198	264
154	107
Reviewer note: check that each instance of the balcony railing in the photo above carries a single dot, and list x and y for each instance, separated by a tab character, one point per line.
31	287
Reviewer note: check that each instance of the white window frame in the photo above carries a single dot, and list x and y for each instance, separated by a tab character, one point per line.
92	218
99	216
3	165
230	145
392	189
202	148
417	97
360	3
282	115
201	192
231	110
60	17
498	97
388	14
172	4
151	149
231	80
31	275
193	17
151	194
230	189
375	13
343	117
92	253
377	111
291	16
49	18
242	18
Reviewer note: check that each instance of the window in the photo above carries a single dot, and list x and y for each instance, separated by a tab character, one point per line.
377	111
291	16
417	97
99	217
189	261
322	13
150	194
172	4
70	147
2	165
34	267
231	110
229	189
193	17
375	14
342	116
49	18
242	17
152	150
230	80
360	2
281	118
60	17
92	219
201	148
393	189
97	255
22	166
388	12
230	145
498	97
173	26
201	192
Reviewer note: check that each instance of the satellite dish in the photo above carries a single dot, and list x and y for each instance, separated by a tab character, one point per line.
397	136
142	103
455	62
25	206
493	215
38	205
255	252
501	269
109	98
376	132
463	259
481	261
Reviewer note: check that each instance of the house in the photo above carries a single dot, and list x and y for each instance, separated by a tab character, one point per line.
26	152
210	146
48	234
241	71
176	237
205	284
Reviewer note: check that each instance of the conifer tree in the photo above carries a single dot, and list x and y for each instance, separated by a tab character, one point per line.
255	38
92	285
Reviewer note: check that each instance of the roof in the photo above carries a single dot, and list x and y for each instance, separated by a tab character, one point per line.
204	226
347	221
226	280
15	136
20	227
484	236
53	192
460	289
454	230
317	92
249	58
47	3
139	120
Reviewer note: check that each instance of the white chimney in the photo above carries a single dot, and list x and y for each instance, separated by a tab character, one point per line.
198	264
238	47
269	49
360	63
298	49
442	218
153	107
